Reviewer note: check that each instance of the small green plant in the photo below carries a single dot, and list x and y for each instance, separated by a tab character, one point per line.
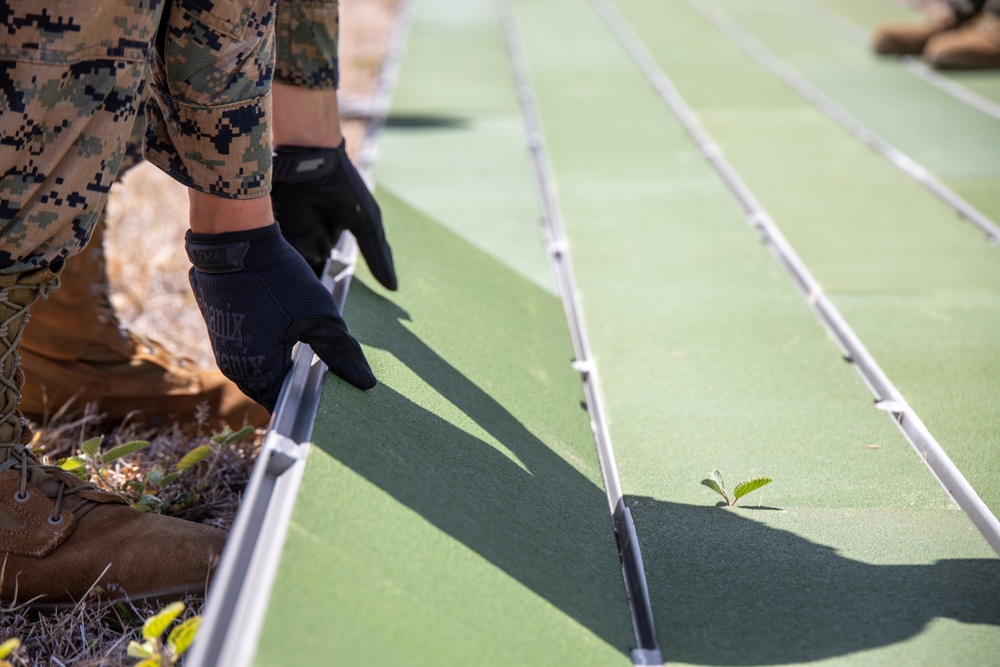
143	491
225	437
154	651
93	462
158	478
6	650
218	443
714	482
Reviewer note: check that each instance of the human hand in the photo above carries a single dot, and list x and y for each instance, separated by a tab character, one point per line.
259	298
317	193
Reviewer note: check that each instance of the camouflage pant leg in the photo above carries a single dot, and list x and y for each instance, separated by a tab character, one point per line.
70	79
306	32
208	120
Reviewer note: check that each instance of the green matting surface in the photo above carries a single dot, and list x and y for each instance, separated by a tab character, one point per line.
955	142
869	14
869	234
454	515
709	358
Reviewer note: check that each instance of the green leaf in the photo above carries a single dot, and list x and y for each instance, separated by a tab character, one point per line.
714	482
181	637
124	450
137	650
227	436
156	624
150	662
221	435
73	463
172	477
155	476
148	502
242	433
9	647
746	487
92	446
194	457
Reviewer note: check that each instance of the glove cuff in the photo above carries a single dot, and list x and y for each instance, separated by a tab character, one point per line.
225	252
301	164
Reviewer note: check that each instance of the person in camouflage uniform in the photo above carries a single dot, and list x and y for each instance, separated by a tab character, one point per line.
72	79
78	349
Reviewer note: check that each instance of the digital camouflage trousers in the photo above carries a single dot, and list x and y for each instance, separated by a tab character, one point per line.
74	74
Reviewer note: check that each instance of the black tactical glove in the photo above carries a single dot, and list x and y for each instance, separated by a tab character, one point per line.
317	193
259	298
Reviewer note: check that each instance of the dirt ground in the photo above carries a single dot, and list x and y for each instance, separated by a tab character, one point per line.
148	212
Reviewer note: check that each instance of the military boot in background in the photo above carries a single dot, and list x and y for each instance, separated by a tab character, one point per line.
911	38
975	46
60	536
78	349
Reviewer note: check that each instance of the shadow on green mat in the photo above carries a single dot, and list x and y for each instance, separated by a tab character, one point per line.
425	122
728	590
544	524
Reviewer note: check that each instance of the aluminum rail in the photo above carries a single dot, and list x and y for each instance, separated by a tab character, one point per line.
240	591
749	44
647	651
913	65
887	396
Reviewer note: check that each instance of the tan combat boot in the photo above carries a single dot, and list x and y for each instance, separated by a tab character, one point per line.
911	38
77	348
975	46
59	536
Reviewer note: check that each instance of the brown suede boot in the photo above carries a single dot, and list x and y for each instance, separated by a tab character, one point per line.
975	46
911	38
77	348
59	536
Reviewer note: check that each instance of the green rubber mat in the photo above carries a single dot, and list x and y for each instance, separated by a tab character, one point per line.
863	228
955	142
454	514
709	358
868	14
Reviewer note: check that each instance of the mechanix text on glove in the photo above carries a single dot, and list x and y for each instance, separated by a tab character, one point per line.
259	298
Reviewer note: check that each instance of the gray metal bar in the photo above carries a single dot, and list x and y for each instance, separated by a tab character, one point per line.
633	573
743	39
238	597
887	396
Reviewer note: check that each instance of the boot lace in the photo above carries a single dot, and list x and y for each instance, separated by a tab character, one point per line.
9	357
25	461
17	454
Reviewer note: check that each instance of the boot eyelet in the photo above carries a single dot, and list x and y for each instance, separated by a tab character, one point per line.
55	521
21	497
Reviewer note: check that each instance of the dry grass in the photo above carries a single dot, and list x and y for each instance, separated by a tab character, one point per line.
84	637
147	218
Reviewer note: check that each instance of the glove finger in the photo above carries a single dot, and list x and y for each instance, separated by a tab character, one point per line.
378	256
368	229
340	352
